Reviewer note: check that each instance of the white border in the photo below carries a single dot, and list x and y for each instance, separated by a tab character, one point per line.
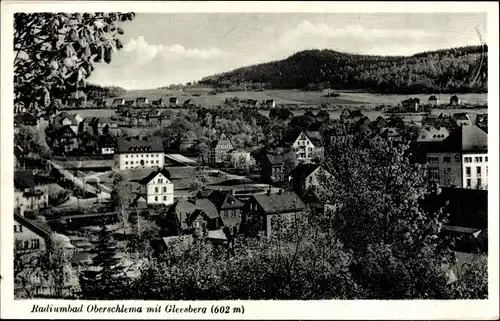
487	309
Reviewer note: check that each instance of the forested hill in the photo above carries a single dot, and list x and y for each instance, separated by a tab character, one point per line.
462	69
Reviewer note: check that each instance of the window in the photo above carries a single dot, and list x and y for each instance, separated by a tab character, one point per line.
156	198
157	161
35	244
434	173
233	213
164	198
126	156
447	159
433	159
486	158
486	170
160	180
26	244
126	163
478	171
164	189
478	159
468	182
468	160
147	155
479	183
156	189
467	171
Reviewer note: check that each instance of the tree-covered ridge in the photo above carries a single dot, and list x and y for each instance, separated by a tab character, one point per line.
463	69
96	92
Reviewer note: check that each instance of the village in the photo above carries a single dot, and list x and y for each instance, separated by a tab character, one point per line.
214	186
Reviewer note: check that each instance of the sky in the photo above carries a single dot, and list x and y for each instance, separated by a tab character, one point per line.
162	49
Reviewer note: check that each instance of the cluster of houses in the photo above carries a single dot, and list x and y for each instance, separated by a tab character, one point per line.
143	102
414	104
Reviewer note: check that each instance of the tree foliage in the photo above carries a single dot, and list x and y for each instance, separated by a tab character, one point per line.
462	69
56	52
105	277
32	140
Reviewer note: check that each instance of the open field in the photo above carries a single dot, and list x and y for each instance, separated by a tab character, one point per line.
293	97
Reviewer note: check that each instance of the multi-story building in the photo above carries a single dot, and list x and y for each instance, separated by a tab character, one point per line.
307	148
264	210
26	196
306	176
144	152
460	160
272	168
220	148
28	236
158	187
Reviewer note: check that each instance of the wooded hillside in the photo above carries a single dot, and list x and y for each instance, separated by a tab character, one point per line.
462	69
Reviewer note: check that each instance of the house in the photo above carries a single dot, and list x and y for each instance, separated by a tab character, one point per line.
280	114
272	168
176	244
189	103
64	140
208	211
432	101
307	148
103	125
141	102
145	152
118	102
461	159
430	120
219	149
130	103
240	158
462	119
27	197
306	176
173	101
107	145
454	101
263	209
270	103
317	129
25	119
411	104
322	116
158	187
65	119
432	134
30	236
363	126
482	121
378	124
391	135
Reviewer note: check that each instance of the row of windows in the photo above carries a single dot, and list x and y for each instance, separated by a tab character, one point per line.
142	162
142	155
231	213
133	167
477	159
478	171
31	244
164	189
164	198
468	183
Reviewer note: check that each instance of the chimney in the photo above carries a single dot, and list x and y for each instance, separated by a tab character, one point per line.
268	192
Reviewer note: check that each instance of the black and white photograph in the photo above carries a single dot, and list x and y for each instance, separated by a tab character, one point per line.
235	156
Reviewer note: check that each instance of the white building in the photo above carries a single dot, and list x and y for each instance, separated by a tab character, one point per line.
159	188
132	153
461	160
307	148
433	101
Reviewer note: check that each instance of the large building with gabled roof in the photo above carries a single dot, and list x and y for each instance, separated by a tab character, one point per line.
145	152
460	160
159	189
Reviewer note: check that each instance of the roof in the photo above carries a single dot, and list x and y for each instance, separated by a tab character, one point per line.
217	235
356	113
172	99
207	207
23	179
432	97
134	145
315	127
303	170
153	174
224	200
41	231
461	116
106	141
466	139
276	159
432	133
280	203
182	242
140	100
454	97
57	121
223	139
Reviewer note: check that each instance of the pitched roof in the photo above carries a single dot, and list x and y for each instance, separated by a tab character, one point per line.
432	97
224	200
454	98
223	139
466	139
153	174
461	116
314	127
280	203
134	145
24	179
41	231
431	133
141	100
57	122
276	159
356	113
207	207
173	99
217	235
303	170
